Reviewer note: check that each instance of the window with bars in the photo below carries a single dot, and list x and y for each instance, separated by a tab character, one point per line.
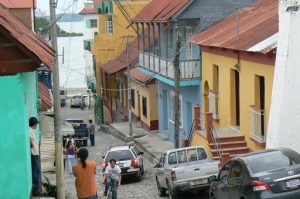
144	104
109	24
93	23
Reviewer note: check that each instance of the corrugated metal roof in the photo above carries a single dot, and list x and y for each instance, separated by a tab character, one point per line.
138	75
18	3
251	29
37	49
44	95
160	10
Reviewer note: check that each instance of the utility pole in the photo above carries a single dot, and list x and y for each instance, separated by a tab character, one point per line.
129	85
177	92
57	111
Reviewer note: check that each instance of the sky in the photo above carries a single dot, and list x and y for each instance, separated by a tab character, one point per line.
62	5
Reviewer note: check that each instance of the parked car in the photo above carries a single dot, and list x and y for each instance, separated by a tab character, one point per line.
63	97
273	173
81	131
77	101
128	158
184	169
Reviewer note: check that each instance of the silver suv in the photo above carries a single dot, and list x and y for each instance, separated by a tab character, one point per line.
128	158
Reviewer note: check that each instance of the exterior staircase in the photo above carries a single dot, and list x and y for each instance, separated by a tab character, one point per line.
228	141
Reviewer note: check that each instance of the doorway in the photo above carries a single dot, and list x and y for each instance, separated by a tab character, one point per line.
235	97
165	109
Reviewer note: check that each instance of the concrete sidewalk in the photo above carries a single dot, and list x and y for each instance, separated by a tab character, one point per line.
150	143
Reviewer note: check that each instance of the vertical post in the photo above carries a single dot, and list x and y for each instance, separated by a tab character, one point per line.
143	28
149	51
153	38
167	52
208	127
159	46
57	111
129	87
177	92
138	35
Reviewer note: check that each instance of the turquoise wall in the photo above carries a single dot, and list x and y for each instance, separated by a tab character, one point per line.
15	163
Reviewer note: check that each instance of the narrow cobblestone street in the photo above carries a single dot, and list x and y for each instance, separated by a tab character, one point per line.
130	189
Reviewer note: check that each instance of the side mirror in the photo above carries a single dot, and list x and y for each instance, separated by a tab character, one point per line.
141	153
103	157
212	179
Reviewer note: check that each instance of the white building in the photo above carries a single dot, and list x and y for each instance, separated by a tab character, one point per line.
284	121
90	29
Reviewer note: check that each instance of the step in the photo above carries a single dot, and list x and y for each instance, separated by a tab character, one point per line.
229	144
231	138
163	135
231	156
234	150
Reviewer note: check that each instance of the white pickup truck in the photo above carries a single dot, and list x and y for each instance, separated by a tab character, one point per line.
184	169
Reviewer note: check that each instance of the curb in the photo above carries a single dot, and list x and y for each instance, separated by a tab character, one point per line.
116	133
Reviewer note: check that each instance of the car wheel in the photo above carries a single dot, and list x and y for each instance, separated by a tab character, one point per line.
142	170
161	191
139	176
171	194
85	142
212	196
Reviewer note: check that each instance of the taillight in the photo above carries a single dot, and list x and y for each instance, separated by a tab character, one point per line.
134	162
260	186
173	175
104	165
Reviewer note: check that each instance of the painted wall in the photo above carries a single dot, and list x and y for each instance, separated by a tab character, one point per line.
150	92
189	95
15	163
107	46
284	115
88	31
247	89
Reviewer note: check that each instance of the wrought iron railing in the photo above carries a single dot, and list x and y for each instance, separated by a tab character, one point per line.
257	124
213	101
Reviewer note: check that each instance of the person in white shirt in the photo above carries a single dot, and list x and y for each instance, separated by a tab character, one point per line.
35	157
112	177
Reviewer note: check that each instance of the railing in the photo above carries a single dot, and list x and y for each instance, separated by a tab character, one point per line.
189	69
213	102
257	124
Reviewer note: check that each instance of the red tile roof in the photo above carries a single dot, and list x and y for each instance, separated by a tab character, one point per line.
160	10
256	23
120	62
88	11
32	45
138	75
18	3
44	95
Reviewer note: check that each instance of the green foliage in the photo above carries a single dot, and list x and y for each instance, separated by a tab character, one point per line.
49	188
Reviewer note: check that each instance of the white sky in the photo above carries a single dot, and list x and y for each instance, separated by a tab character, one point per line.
62	5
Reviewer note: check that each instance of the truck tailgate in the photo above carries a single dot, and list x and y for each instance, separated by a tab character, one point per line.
196	171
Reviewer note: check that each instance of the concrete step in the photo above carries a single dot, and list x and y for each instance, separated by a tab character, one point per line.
231	138
229	144
231	156
231	151
163	135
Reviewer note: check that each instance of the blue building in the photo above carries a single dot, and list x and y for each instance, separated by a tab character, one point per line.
165	21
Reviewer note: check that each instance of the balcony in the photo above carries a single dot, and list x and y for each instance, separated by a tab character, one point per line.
213	101
257	124
189	69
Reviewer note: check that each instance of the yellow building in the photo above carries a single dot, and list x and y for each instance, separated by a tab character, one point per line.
237	77
109	42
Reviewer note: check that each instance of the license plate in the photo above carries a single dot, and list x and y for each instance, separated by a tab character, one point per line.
293	183
120	164
201	181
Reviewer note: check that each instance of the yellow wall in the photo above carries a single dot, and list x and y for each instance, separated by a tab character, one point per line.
248	70
150	92
107	46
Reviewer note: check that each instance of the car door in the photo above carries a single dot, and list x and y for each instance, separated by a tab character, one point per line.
236	180
220	188
160	169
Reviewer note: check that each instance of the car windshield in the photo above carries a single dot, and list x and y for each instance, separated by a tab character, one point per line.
76	97
74	121
119	155
273	160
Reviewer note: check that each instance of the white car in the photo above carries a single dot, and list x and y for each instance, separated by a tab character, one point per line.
77	101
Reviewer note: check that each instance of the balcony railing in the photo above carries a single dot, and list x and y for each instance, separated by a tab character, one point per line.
213	101
189	69
257	124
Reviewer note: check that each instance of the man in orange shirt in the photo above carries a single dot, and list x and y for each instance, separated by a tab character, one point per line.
85	173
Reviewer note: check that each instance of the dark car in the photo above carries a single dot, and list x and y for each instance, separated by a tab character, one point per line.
128	158
273	173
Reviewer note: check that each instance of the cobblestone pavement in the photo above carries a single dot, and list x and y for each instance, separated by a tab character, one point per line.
130	189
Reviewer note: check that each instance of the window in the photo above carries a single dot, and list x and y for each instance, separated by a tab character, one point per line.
133	98
181	156
172	109
192	155
119	155
236	171
93	23
189	49
201	154
225	172
144	104
109	24
172	158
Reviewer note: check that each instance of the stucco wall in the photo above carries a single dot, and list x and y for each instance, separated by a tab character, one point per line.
247	93
15	163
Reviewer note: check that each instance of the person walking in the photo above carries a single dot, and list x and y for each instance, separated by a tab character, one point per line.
85	173
35	157
92	132
112	178
70	151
